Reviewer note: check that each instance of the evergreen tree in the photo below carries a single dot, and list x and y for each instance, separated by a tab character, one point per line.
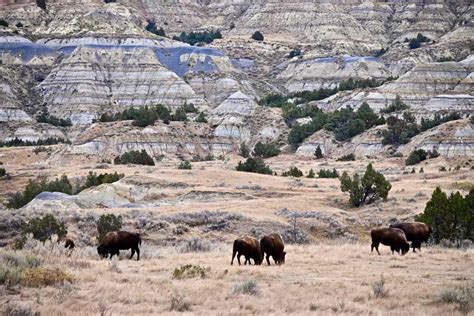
318	153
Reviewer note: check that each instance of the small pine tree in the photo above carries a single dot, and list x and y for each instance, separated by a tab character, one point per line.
318	153
185	165
311	174
244	151
201	118
371	187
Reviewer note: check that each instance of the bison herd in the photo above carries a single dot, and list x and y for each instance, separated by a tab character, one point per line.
395	236
398	235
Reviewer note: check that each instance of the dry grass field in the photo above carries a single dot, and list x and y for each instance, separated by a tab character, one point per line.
332	272
325	278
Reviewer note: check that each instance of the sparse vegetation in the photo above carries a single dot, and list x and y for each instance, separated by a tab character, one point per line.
294	52
16	142
248	287
94	180
134	157
379	288
462	296
53	120
244	151
3	23
185	165
293	172
201	118
265	150
193	38
43	228
108	223
142	117
311	174
179	303
416	42
348	157
3	172
152	28
35	187
450	217
254	164
327	173
396	106
42	276
318	153
371	187
195	245
190	271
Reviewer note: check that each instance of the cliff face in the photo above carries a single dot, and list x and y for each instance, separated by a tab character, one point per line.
81	59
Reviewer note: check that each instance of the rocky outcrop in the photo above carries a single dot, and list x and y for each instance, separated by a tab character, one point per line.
97	80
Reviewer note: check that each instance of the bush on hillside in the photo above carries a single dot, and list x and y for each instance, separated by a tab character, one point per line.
348	157
327	173
151	27
185	165
254	164
134	157
396	106
108	223
193	38
43	228
293	172
371	187
257	36
265	150
318	153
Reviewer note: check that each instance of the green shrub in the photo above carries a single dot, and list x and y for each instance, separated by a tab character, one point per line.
41	276
190	271
416	156
3	172
244	151
179	115
396	106
53	120
197	37
3	23
258	36
143	116
327	173
367	190
151	27
93	179
462	296
450	217
311	174
185	165
43	228
35	187
318	153
135	157
265	150
41	142
201	118
256	165
442	169
108	223
348	157
293	172
294	52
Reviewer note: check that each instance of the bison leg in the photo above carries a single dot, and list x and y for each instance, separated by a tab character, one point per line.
238	258
138	253
376	246
233	256
268	259
133	252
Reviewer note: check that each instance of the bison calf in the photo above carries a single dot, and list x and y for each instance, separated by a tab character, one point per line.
272	245
393	237
69	244
415	232
121	240
249	248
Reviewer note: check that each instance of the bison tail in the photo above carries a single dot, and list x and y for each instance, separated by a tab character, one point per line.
139	239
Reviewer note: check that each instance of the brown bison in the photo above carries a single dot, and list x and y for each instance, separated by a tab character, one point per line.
249	248
415	232
393	237
115	241
272	245
69	244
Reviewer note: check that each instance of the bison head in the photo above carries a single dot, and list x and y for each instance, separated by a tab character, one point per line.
405	248
282	257
102	251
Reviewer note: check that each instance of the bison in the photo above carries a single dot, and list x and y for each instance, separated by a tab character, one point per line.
121	240
249	248
415	232
69	244
393	237
272	245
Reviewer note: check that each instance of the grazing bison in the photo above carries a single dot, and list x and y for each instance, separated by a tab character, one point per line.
115	241
415	232
272	245
393	237
249	248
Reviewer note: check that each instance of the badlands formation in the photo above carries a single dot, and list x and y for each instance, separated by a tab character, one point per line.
84	60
